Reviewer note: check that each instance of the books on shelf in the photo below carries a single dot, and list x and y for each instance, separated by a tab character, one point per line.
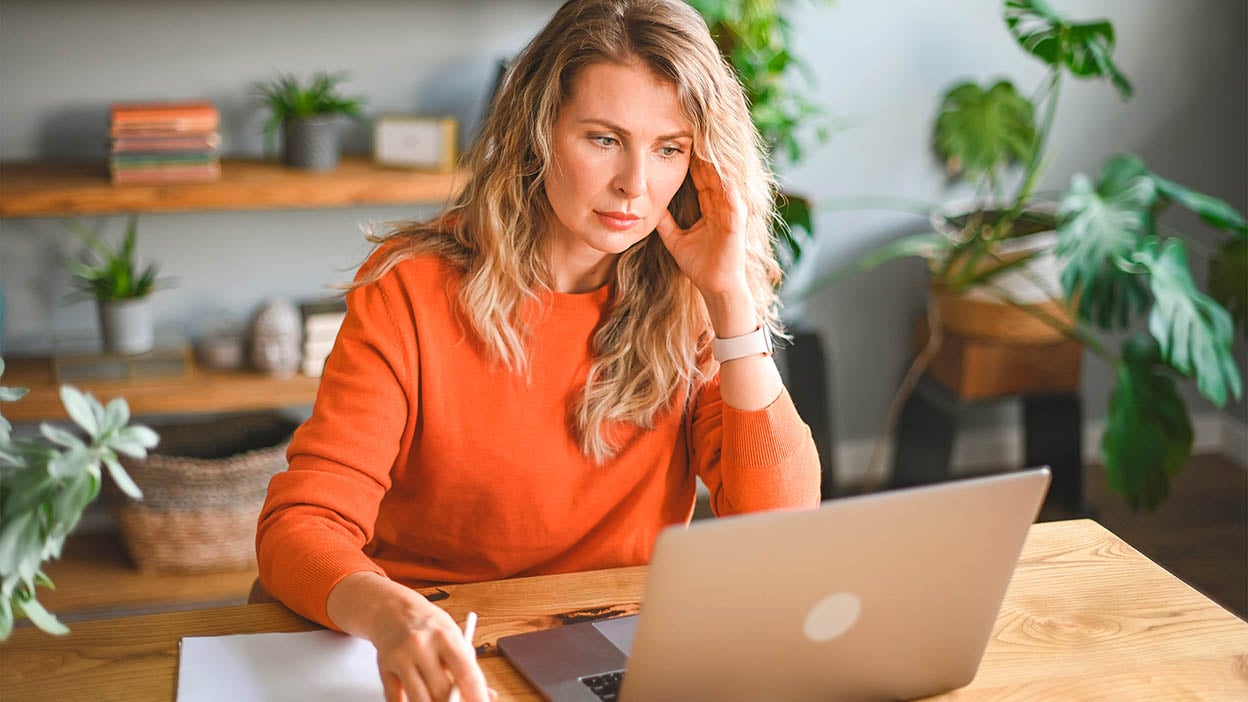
164	142
321	321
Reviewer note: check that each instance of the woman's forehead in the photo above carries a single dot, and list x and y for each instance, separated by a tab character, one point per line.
629	97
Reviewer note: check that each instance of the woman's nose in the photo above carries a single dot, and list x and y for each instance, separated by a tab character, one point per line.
630	178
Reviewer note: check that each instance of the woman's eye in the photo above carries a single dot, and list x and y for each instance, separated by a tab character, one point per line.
670	151
604	140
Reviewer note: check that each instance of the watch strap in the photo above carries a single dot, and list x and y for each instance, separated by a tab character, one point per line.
755	342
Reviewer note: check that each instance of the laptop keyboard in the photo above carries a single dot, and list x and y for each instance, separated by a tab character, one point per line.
606	686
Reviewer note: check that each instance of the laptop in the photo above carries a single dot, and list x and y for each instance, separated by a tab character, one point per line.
885	596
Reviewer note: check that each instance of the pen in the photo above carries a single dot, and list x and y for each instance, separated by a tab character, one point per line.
470	629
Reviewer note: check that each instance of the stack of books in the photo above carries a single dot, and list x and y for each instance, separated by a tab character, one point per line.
164	142
321	322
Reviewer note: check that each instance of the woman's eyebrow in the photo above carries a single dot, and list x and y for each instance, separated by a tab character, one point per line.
624	132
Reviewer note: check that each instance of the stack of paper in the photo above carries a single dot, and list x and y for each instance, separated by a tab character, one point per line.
310	666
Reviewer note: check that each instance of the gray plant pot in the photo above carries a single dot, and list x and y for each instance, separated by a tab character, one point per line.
126	326
311	143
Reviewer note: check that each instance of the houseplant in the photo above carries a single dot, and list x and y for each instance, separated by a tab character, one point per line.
45	483
309	116
120	288
1114	262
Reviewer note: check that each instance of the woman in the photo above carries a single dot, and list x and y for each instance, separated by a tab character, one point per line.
532	382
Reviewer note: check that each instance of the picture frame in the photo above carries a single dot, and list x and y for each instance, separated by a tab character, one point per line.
415	142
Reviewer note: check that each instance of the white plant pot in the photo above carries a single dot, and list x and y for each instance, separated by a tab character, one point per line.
980	313
126	326
1034	282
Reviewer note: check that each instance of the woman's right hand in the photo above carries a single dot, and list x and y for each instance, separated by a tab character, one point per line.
421	651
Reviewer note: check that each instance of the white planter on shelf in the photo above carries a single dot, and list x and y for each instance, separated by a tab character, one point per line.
126	325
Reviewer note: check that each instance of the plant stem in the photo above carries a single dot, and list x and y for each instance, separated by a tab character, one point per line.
1042	138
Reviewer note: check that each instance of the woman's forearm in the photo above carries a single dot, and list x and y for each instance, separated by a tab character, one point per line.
751	382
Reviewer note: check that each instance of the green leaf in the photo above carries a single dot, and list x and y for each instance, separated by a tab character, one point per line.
1193	331
140	435
41	617
122	478
61	437
82	409
928	246
979	132
116	414
12	394
1148	437
6	618
19	531
1085	49
1098	230
27	490
1228	281
72	498
72	462
1210	209
795	214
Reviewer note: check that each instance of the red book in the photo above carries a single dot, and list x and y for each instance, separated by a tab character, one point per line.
139	118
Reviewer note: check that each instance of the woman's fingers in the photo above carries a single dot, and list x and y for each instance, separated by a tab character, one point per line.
667	226
392	686
429	665
414	686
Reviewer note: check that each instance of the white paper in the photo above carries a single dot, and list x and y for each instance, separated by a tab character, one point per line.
308	666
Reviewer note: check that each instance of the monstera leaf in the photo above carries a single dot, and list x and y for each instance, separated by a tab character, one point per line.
1228	280
979	132
1212	210
1148	437
1193	331
1099	228
1084	48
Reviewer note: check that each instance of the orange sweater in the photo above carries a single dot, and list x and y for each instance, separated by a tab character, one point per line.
425	463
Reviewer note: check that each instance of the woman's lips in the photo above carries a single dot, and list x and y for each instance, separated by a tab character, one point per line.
619	221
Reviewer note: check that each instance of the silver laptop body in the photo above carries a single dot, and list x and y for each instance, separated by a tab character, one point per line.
885	596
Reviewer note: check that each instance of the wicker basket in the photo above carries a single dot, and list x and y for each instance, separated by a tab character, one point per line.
202	493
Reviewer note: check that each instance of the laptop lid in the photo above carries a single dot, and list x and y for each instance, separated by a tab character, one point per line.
885	596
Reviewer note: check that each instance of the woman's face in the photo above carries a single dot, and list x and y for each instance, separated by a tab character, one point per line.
620	152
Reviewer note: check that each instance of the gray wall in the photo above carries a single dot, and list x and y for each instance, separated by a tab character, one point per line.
882	67
879	65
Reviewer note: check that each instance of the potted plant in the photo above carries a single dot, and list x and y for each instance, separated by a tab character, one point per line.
309	116
1083	265
46	482
753	35
120	288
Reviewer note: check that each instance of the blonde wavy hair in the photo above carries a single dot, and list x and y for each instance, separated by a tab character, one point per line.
652	348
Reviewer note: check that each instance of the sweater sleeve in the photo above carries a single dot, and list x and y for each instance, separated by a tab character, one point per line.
321	511
752	461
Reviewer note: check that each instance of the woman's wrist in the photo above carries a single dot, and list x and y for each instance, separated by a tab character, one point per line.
362	603
732	312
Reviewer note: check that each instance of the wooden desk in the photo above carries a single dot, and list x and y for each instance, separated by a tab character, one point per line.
1086	617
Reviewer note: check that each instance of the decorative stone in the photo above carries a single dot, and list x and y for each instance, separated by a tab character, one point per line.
275	338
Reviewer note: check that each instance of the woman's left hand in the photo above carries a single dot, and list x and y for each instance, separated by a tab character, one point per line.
711	252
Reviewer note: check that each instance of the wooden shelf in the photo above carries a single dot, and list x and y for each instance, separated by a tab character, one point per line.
202	391
37	189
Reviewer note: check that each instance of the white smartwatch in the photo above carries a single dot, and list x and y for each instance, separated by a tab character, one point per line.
756	342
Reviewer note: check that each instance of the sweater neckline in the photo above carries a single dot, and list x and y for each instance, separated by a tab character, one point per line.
590	300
